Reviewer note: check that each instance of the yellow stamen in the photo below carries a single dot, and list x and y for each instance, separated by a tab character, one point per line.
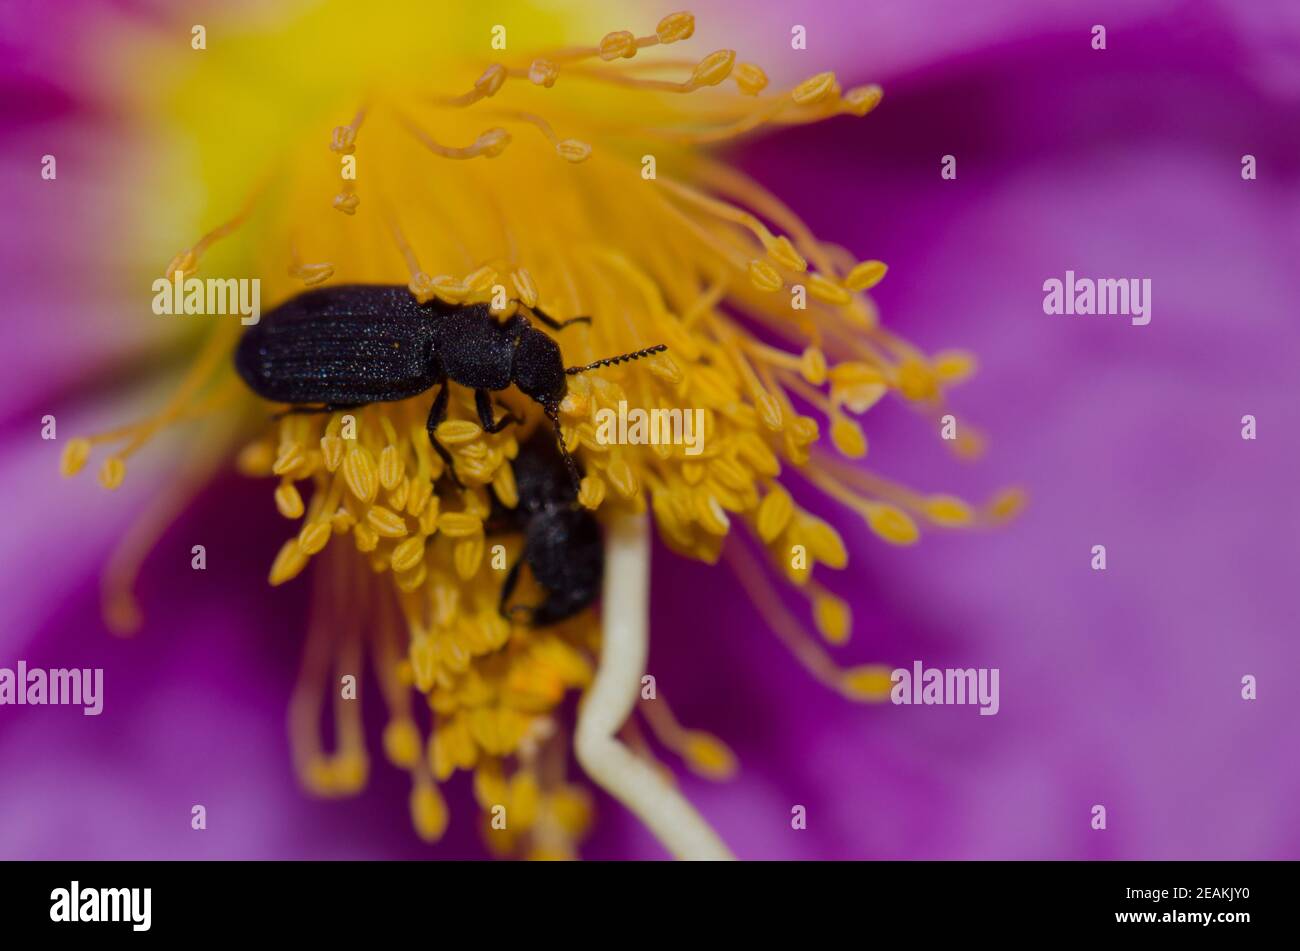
698	258
704	753
489	144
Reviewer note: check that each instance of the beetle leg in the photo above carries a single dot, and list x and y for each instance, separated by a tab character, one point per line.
437	413
527	613
484	402
508	588
521	612
558	324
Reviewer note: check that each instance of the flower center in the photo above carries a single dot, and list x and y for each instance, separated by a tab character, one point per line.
572	182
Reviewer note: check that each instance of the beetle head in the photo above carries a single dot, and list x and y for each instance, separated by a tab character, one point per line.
538	368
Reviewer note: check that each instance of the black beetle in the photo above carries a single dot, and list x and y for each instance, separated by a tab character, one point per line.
354	344
562	544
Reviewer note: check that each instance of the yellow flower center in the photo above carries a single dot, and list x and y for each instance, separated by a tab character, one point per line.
572	181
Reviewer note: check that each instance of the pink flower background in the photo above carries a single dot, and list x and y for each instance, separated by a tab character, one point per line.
1119	688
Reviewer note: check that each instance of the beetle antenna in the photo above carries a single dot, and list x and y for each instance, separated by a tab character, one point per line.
553	413
621	358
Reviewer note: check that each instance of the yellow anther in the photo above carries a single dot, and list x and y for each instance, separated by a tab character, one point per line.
413	580
861	397
290	458
853	373
774	514
542	72
666	368
347	202
467	556
571	808
916	381
616	45
418	497
503	484
622	477
112	472
524	286
343	140
769	410
860	100
255	459
764	277
866	275
824	289
429	517
491	143
824	542
712	516
782	252
750	79
953	366
815	89
187	262
331	448
288	502
591	492
805	430
402	743
428	812
708	756
848	439
459	524
491	80
713	69
832	617
489	785
525	797
350	770
421	287
892	524
812	365
675	27
455	432
731	474
1008	503
289	562
948	510
391	469
312	274
386	523
408	553
361	474
480	280
75	455
448	288
869	682
366	538
573	150
314	537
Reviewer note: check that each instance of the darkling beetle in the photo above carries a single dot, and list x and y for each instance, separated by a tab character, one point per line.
562	542
354	344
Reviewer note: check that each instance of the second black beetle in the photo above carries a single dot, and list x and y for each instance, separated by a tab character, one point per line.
347	346
562	545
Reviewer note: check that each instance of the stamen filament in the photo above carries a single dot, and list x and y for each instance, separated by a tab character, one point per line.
490	143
